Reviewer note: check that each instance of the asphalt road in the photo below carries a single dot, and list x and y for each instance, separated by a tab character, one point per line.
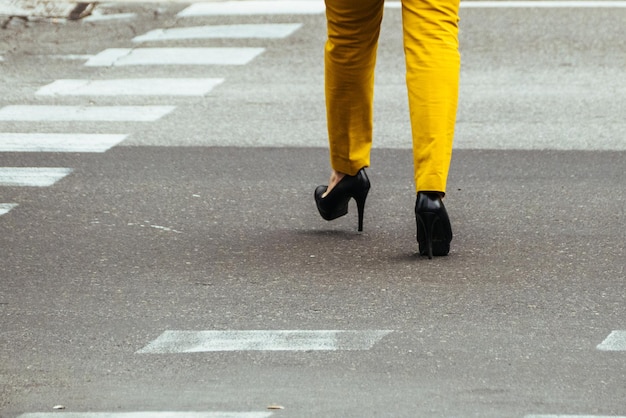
204	220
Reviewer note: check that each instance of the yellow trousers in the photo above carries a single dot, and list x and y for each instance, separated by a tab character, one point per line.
430	33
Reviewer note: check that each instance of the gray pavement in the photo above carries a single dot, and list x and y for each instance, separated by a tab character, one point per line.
204	220
43	9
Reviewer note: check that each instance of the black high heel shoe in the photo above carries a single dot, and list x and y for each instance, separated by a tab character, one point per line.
434	232
335	203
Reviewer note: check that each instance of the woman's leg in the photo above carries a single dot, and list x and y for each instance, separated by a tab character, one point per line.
432	75
350	58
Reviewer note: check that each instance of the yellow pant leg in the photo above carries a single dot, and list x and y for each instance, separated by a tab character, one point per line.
349	59
432	76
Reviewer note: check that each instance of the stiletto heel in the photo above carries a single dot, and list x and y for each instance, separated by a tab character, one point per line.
335	203
434	232
360	206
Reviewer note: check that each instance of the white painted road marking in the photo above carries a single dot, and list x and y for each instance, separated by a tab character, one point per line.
84	113
246	31
32	176
616	341
147	414
131	87
6	207
99	17
254	8
76	57
174	56
262	340
40	142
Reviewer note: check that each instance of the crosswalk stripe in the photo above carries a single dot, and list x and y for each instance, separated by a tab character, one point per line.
174	56
48	142
616	341
6	207
262	340
131	87
84	113
32	176
71	57
99	17
149	414
253	8
244	31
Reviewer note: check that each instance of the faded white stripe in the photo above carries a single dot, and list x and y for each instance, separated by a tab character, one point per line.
174	56
258	340
32	176
6	207
99	17
84	113
262	31
76	57
616	341
148	414
253	8
131	87
46	142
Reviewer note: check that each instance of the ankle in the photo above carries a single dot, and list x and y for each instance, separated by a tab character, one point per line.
335	178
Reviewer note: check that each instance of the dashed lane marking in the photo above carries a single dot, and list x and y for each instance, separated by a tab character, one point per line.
47	142
84	113
263	340
254	8
32	176
6	207
131	87
616	341
245	31
148	414
174	56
